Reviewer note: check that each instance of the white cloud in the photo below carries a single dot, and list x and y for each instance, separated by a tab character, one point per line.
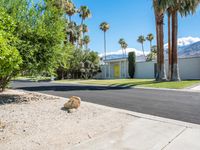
186	41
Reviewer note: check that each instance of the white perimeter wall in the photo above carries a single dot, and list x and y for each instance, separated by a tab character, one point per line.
189	69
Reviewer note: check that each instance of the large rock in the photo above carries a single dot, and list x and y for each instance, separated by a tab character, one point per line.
73	103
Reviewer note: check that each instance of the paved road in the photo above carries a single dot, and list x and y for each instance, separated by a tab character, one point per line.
184	106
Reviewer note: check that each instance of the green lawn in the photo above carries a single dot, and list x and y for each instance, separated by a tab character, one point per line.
32	78
136	82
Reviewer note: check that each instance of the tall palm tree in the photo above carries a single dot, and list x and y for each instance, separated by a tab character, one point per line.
59	4
86	41
141	40
70	9
150	38
169	45
79	32
159	18
125	45
104	26
84	12
121	42
85	29
72	32
184	7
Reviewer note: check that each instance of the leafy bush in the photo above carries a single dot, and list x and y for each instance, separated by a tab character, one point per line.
131	64
10	58
9	61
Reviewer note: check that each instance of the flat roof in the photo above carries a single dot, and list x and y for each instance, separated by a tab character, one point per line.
115	59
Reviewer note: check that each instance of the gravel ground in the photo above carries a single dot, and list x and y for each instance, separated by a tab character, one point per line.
33	121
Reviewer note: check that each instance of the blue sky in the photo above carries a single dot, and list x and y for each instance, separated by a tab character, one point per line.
128	19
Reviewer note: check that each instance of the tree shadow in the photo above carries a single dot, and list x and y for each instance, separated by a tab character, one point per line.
8	99
69	88
137	83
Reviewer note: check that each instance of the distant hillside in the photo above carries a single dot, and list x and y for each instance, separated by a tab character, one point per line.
190	50
187	47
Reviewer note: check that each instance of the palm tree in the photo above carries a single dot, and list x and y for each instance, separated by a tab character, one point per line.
72	32
169	45
184	7
141	40
79	32
150	38
86	41
84	12
104	26
85	29
125	45
159	18
59	4
121	42
70	9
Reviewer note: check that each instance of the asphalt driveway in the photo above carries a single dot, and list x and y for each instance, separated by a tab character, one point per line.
179	105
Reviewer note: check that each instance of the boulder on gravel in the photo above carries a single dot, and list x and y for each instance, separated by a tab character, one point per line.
74	102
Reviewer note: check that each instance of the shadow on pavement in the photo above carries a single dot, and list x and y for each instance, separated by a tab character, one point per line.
53	87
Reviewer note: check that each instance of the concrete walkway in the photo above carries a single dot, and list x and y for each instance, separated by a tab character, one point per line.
196	88
148	133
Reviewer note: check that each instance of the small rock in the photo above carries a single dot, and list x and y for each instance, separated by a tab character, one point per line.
73	103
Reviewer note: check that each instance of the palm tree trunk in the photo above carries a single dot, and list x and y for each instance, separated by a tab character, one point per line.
105	53
169	48
70	19
143	50
161	74
162	59
81	36
122	52
105	44
175	69
86	46
150	46
158	48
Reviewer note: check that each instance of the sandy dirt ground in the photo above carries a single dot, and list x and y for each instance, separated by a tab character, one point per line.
33	121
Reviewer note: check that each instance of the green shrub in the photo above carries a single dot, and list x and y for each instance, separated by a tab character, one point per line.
9	61
131	64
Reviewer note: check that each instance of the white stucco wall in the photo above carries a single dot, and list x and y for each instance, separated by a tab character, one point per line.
189	69
144	70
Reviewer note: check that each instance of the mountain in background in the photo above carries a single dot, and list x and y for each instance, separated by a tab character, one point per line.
190	50
187	47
